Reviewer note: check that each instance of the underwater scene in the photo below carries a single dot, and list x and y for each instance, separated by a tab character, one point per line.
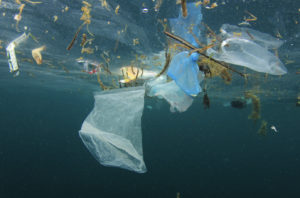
149	98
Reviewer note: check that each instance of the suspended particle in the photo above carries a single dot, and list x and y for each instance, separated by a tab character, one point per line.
145	10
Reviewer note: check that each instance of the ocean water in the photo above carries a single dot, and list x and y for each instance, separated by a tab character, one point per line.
213	152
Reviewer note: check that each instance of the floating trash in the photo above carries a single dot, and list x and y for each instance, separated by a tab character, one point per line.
145	10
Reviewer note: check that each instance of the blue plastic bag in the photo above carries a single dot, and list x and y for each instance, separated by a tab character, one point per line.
184	69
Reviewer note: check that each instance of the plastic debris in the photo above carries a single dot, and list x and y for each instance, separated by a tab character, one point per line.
112	131
11	54
249	54
36	54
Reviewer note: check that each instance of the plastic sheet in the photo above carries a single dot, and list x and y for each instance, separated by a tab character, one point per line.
263	39
249	54
112	131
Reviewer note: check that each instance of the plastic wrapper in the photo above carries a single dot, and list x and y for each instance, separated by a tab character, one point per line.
11	54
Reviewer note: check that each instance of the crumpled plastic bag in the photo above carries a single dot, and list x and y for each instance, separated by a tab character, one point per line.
183	68
249	54
112	131
185	72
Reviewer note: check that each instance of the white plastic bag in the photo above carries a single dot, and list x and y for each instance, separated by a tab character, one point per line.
263	39
249	54
112	131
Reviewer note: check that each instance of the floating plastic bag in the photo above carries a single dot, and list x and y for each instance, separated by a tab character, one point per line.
184	71
263	39
112	131
177	98
249	54
181	25
159	80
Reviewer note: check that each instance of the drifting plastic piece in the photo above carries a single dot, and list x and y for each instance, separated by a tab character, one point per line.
182	25
185	72
263	39
249	54
11	54
177	98
184	69
112	131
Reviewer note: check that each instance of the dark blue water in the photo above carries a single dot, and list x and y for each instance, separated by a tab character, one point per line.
200	153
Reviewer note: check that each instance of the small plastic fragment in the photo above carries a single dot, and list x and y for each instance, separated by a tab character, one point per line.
11	54
37	55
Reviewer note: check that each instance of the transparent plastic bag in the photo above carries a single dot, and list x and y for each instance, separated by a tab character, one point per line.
112	131
175	96
249	54
160	80
180	26
263	39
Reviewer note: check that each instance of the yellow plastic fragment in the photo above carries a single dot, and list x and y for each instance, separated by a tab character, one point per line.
37	55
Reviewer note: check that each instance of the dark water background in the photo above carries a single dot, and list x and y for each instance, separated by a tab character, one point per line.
220	154
217	155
